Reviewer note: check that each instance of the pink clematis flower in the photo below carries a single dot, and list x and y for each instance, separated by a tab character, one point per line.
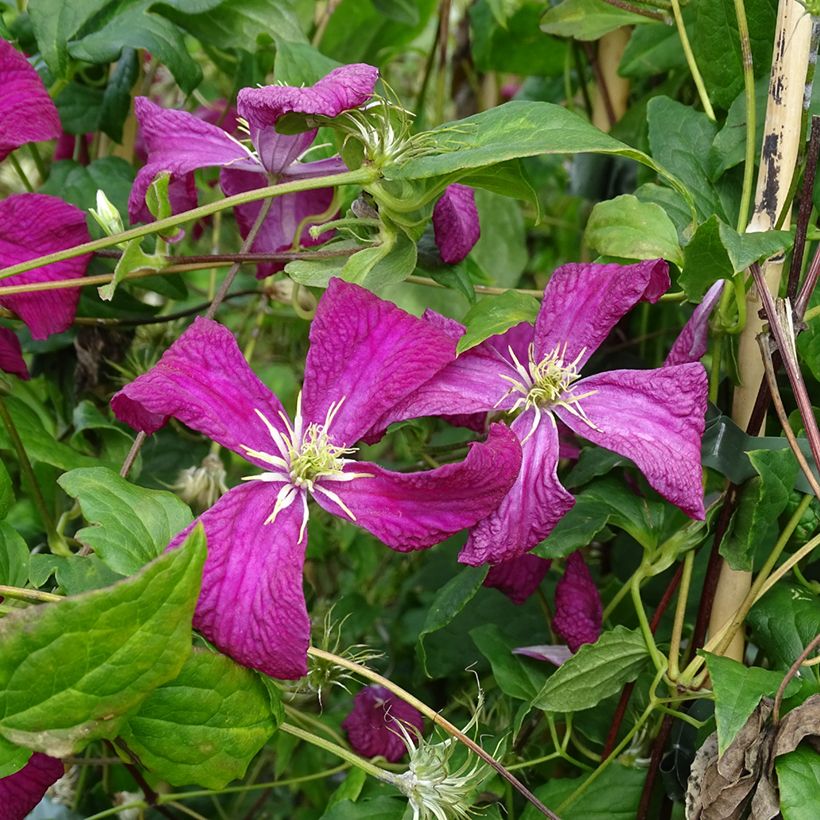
692	341
518	577
22	791
654	417
455	223
578	612
373	727
27	113
178	142
365	355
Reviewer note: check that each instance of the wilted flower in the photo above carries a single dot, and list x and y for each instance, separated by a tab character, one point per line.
22	791
365	355
654	417
201	487
578	611
455	223
372	726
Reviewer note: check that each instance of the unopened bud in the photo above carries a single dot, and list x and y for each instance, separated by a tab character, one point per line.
202	486
106	215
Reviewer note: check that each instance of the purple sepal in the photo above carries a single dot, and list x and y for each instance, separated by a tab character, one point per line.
578	612
11	354
692	341
22	791
455	223
553	653
518	577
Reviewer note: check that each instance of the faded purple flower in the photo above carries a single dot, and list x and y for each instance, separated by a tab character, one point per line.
692	341
178	143
578	612
653	417
365	355
518	577
33	225
455	223
27	113
22	791
11	354
553	653
373	725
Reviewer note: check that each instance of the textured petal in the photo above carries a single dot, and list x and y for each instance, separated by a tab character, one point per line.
33	225
179	143
284	217
204	381
519	577
655	418
532	507
369	352
251	605
455	223
693	339
345	87
583	302
554	653
518	339
11	354
278	151
373	725
27	113
578	612
22	791
409	511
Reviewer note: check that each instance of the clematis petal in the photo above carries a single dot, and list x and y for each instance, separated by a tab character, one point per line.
373	725
346	87
22	791
284	217
534	504
278	151
27	113
455	223
11	354
583	302
554	653
692	342
33	225
578	612
251	605
409	511
179	143
368	352
519	577
655	418
204	381
518	339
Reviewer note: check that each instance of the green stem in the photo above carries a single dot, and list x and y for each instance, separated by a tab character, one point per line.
15	163
690	60
749	93
619	595
680	613
362	176
38	161
646	630
714	370
31	595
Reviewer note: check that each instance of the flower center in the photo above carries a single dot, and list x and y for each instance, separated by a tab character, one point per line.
315	456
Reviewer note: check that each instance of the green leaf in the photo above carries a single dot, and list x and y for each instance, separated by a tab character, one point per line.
300	63
116	101
717	251
350	788
518	47
449	601
716	45
375	808
14	557
79	107
12	757
614	795
798	776
72	671
137	25
133	258
132	525
632	229
205	726
519	680
576	529
405	12
738	689
808	342
595	672
74	573
374	268
587	19
496	314
6	491
501	251
516	129
784	622
763	499
653	49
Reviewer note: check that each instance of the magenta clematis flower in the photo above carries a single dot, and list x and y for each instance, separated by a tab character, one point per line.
692	341
455	223
22	791
578	613
27	113
518	577
32	225
654	417
178	143
11	355
373	727
365	355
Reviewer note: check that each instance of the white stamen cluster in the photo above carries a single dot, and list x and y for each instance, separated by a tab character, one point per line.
547	383
304	455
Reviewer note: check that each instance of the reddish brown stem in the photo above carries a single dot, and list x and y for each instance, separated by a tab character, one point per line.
654	767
